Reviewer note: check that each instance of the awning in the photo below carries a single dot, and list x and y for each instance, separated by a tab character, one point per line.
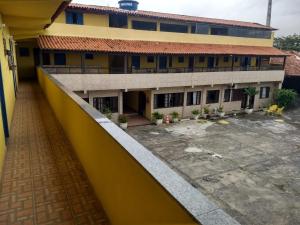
150	47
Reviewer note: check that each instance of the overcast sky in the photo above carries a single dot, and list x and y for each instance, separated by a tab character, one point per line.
285	15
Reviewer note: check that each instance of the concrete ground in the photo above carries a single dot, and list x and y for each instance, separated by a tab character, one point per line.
249	167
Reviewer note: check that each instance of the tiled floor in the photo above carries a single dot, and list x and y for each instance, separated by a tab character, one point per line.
42	180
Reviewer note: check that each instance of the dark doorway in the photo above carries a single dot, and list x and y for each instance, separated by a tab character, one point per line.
116	64
244	101
3	107
211	62
245	61
163	62
136	62
191	62
142	103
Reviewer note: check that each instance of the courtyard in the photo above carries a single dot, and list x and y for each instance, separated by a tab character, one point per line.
248	165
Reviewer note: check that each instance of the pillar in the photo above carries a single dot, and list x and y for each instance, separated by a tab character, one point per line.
184	103
120	102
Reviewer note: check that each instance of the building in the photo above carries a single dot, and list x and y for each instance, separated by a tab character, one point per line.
139	61
292	70
120	59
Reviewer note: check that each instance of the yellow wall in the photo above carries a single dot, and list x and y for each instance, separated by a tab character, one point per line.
129	195
26	67
2	144
130	34
7	76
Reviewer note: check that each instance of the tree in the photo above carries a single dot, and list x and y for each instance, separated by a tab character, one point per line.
285	97
251	92
289	43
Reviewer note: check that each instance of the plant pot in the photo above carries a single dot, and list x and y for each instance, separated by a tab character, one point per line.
124	125
175	120
204	115
159	121
249	111
195	117
221	114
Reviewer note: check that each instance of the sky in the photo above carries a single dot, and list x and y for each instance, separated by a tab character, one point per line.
285	13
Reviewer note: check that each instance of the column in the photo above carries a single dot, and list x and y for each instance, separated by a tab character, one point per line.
184	103
120	102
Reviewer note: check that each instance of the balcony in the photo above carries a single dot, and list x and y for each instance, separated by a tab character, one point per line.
79	82
133	185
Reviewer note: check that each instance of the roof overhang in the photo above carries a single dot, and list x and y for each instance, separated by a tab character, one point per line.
150	47
28	18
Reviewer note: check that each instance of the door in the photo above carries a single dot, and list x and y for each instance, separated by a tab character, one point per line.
191	63
116	64
136	62
3	107
244	101
245	62
142	103
163	62
211	62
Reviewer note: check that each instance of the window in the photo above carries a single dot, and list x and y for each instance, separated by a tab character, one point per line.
119	21
89	56
142	25
106	103
136	62
236	59
264	92
200	28
177	28
227	95
219	31
86	100
194	98
24	52
74	18
150	59
60	59
168	100
237	95
201	59
217	61
180	59
226	59
212	96
46	58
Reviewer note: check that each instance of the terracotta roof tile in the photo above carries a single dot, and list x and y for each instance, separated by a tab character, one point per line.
148	47
292	65
169	16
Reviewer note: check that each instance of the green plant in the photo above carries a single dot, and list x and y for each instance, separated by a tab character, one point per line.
250	91
285	97
157	116
122	119
195	112
107	112
206	110
175	115
220	109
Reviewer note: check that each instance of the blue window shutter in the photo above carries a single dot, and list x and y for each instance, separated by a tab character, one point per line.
80	18
69	18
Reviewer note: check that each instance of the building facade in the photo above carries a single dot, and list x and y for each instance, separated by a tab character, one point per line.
133	61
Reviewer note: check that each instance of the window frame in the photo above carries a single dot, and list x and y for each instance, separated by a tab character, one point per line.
210	101
227	96
193	98
267	93
70	18
168	100
100	103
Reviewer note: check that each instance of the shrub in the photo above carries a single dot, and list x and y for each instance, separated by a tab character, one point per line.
285	97
250	91
107	112
196	112
175	115
220	109
122	119
206	110
157	116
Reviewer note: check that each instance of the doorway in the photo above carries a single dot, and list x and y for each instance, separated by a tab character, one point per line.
116	64
163	62
244	102
142	103
191	62
211	62
3	107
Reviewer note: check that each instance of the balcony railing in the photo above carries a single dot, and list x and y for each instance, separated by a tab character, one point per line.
113	70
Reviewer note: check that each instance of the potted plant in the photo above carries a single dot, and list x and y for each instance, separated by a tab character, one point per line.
107	112
175	117
123	121
157	118
206	112
251	92
195	114
220	111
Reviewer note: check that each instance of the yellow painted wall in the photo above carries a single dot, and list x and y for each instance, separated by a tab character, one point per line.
26	67
88	19
7	75
130	34
129	194
2	144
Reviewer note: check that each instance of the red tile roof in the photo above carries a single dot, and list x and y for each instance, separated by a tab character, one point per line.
148	47
168	16
292	66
